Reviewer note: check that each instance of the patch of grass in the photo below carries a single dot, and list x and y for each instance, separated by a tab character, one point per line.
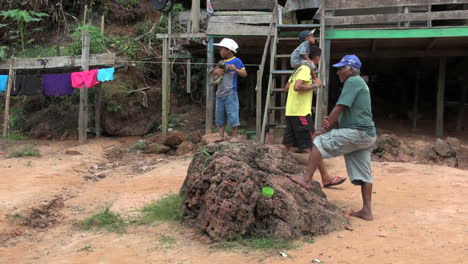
167	240
87	249
258	241
139	146
16	216
127	3
29	164
106	219
205	152
164	209
16	135
27	151
309	240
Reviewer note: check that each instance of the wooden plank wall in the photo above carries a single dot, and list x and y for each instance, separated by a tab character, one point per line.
242	4
356	4
59	62
391	12
243	25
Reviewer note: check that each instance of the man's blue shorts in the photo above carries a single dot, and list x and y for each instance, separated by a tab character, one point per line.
227	110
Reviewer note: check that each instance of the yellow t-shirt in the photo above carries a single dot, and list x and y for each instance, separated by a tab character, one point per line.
299	103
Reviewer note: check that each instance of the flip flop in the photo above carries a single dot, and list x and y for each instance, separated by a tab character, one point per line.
336	181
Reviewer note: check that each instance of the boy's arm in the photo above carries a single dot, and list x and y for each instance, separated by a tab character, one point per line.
216	72
242	72
299	86
286	87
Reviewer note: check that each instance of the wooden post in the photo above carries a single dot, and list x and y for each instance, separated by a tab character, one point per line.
416	100
6	114
284	80
258	88
189	76
210	100
98	98
461	106
166	82
321	108
440	98
272	96
83	115
195	16
271	77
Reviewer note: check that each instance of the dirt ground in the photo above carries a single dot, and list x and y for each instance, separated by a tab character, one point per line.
420	212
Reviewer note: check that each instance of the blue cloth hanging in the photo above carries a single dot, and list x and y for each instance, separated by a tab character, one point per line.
3	83
106	74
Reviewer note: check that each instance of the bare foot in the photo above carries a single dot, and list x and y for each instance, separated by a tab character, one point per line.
219	139
234	140
362	214
299	180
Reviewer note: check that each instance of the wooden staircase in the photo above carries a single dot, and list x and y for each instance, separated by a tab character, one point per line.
280	71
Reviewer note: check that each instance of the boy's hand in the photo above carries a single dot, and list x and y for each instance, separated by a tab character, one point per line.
326	123
218	71
232	67
318	82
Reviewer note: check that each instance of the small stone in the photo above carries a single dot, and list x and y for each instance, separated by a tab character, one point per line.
174	139
443	149
185	148
454	142
73	152
157	148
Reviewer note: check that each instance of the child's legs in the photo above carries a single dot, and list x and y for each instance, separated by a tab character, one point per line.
309	64
220	116
232	112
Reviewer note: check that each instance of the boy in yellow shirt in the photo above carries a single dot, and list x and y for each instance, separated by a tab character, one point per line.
300	124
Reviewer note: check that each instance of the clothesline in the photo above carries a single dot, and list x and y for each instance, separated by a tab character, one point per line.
181	63
56	84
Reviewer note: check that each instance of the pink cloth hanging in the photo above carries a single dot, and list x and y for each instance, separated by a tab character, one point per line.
88	78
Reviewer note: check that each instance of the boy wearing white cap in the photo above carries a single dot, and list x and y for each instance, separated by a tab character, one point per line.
227	101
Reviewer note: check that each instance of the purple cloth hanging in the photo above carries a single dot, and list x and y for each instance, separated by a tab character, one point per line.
56	84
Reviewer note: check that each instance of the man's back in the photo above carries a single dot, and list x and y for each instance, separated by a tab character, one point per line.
299	103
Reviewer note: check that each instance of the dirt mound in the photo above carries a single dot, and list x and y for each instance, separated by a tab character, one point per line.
43	216
391	148
135	119
222	195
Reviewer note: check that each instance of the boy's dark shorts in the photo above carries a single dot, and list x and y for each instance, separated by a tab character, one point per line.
299	130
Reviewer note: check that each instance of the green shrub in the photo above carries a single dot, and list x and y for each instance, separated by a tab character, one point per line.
258	241
20	24
127	3
106	219
164	209
98	42
26	151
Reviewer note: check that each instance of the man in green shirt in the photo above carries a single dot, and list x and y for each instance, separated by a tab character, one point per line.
354	137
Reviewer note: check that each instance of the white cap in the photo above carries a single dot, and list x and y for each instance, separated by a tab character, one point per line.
228	44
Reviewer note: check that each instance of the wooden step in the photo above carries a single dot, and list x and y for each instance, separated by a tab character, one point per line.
276	125
278	90
280	56
282	72
288	39
297	26
277	108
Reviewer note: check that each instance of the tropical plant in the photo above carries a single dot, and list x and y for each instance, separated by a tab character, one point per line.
23	19
98	42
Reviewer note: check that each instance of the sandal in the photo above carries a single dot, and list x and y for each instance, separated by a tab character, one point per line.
336	181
